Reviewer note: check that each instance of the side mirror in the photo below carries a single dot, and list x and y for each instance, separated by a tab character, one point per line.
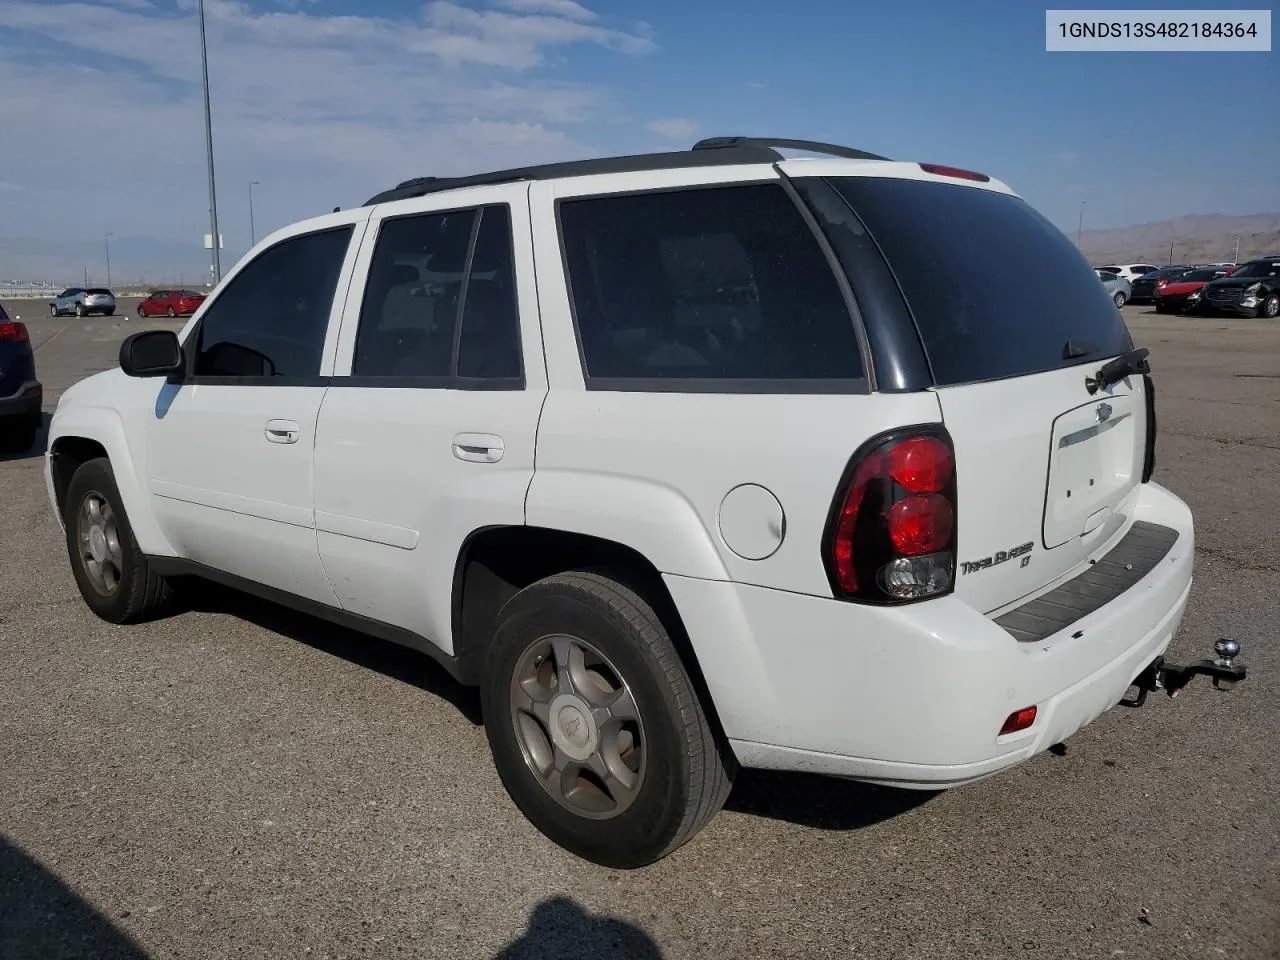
152	353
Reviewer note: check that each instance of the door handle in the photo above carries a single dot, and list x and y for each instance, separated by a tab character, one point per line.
282	431
478	447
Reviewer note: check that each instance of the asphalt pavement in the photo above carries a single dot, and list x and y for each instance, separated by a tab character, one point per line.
237	781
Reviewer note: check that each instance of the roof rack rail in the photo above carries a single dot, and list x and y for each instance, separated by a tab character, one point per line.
421	186
812	146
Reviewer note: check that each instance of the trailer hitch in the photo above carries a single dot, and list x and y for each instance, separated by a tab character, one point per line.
1171	677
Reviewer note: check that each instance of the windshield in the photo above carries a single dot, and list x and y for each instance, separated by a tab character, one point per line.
1258	268
995	289
189	293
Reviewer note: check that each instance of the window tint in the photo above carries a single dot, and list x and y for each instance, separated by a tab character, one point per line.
722	283
272	318
489	346
418	282
995	289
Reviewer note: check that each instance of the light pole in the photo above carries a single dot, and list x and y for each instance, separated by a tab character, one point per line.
253	235
1236	258
107	241
208	139
1080	223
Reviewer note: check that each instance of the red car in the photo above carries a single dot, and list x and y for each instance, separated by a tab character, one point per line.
171	303
1177	293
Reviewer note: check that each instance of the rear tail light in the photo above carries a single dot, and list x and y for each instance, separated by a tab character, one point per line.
891	534
13	332
1149	453
943	171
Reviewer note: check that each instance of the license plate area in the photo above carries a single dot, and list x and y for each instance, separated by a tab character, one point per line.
1091	467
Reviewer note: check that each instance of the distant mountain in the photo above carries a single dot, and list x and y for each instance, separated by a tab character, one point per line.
1200	238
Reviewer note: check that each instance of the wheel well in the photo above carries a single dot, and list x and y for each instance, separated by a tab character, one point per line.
69	454
496	563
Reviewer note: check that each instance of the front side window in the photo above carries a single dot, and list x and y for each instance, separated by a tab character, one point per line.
272	318
440	300
711	284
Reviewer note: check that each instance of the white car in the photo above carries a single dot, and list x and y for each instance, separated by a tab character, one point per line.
690	461
1130	271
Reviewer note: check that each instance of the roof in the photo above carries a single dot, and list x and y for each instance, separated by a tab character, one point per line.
716	151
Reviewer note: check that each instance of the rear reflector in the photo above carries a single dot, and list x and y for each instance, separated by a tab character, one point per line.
31	392
14	332
942	171
1019	720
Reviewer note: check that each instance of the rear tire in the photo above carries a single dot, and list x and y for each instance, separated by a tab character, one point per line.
114	576
172	313
666	772
53	311
80	310
1119	299
142	314
110	313
1161	308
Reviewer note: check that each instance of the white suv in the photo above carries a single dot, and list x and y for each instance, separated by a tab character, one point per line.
690	461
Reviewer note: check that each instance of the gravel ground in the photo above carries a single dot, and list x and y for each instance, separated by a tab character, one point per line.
238	781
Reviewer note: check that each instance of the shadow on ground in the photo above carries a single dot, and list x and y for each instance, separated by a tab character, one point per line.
560	929
390	659
826	803
41	918
37	448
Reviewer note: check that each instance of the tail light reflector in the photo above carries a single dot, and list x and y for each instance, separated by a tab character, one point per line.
1019	720
890	537
13	332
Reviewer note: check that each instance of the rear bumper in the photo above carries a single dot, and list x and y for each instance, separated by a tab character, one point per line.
915	696
27	401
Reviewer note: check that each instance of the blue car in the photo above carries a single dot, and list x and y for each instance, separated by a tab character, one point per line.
21	395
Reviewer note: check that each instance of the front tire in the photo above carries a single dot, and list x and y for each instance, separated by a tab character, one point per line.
597	731
1119	299
1269	308
172	313
114	576
53	310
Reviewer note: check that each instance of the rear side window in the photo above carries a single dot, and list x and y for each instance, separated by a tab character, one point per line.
702	287
430	273
995	289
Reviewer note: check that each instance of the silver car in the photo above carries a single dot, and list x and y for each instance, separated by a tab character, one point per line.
82	302
1117	287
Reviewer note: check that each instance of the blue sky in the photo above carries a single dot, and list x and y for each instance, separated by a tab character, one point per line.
328	101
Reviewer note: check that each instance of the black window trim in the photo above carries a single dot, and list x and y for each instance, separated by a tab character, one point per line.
728	385
193	335
450	381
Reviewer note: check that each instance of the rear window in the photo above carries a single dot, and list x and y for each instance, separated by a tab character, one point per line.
702	287
99	291
995	289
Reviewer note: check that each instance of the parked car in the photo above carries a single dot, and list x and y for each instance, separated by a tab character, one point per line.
1130	271
1252	290
83	302
1175	294
1143	290
171	303
21	395
631	461
1117	287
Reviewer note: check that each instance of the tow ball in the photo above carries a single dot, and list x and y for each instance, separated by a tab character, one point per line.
1160	674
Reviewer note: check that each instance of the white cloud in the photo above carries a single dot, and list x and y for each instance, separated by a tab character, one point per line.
324	109
560	8
675	128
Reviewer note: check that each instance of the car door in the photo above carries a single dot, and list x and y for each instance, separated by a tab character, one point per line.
427	432
229	450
